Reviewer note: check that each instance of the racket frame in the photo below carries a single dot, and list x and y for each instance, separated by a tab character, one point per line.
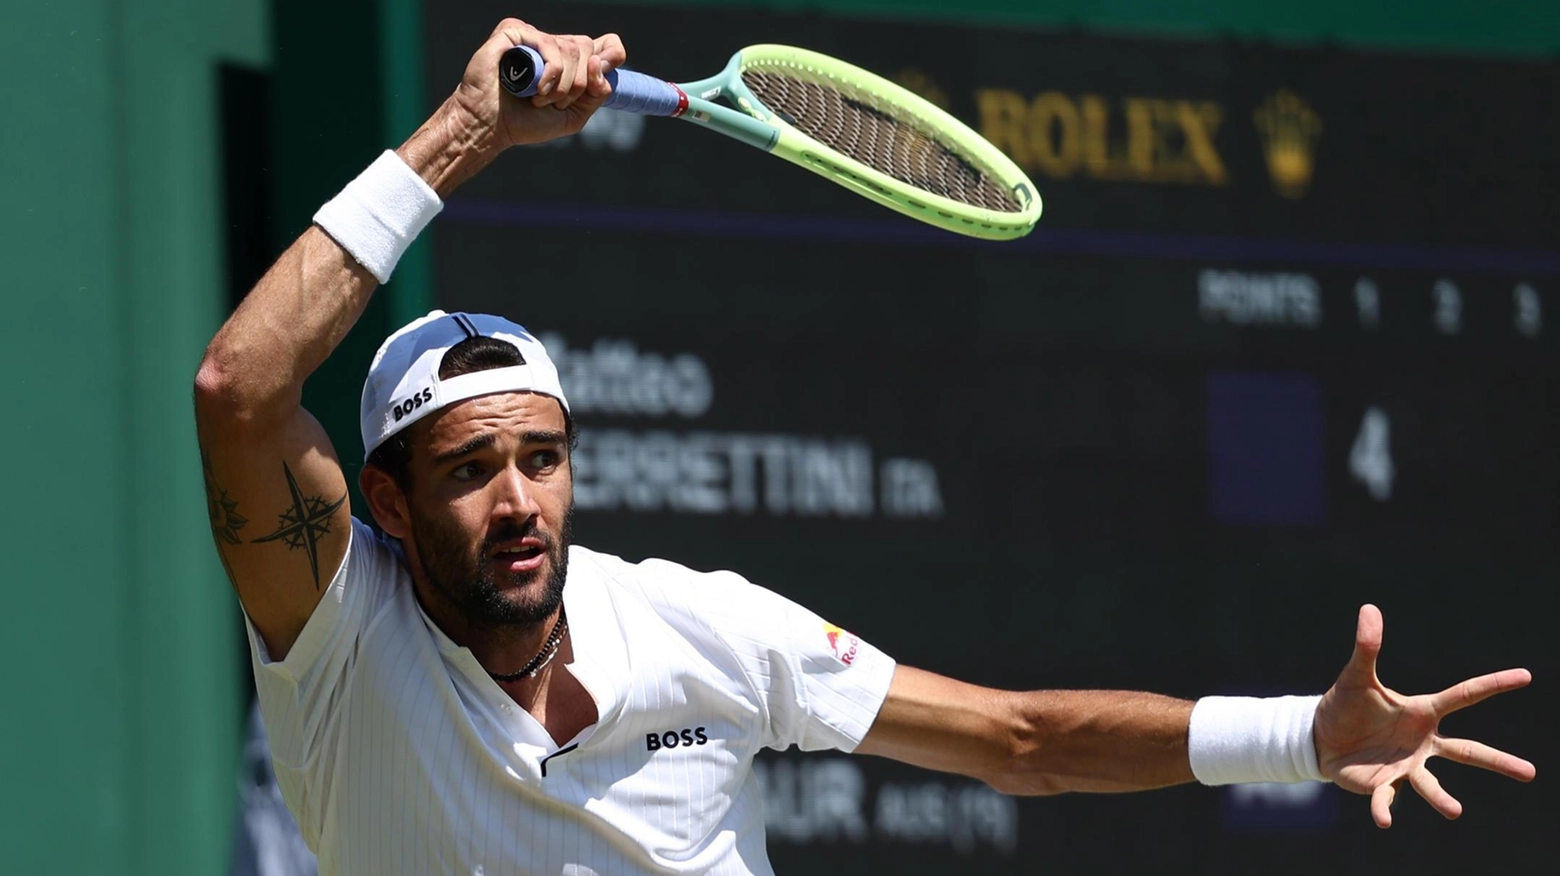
757	125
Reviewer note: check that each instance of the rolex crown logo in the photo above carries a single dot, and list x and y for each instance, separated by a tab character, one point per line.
1289	129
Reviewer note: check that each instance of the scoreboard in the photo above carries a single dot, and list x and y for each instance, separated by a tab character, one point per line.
1287	339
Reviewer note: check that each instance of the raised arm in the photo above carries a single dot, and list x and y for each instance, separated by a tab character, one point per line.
275	489
1366	737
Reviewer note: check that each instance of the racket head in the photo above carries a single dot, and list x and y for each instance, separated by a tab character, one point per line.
882	141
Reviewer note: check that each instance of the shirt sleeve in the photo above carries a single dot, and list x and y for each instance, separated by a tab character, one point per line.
820	686
297	694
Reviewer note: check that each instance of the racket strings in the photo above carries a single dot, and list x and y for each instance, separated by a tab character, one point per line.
877	139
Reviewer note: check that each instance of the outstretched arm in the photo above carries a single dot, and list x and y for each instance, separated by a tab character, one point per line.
1036	742
1367	738
275	489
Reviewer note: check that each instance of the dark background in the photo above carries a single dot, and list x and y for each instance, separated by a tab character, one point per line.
1136	492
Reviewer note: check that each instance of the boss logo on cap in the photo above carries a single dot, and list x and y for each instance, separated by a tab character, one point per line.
412	403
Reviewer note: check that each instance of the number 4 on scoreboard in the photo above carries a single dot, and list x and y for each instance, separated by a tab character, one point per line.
1370	460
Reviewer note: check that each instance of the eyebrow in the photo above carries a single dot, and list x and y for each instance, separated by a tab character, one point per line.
481	442
484	441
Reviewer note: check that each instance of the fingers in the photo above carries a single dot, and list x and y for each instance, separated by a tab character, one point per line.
568	67
514	32
587	70
610	49
571	83
1475	690
599	88
570	78
1381	804
610	55
1429	787
1477	754
559	57
1367	644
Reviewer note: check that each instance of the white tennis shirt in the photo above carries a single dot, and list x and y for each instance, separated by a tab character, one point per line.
399	755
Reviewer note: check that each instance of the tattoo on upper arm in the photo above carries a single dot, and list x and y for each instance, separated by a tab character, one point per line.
304	522
223	510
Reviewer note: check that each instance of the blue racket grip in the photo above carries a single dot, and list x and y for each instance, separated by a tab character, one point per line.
521	67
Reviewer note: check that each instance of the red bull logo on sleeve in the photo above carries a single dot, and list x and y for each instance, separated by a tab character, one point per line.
842	642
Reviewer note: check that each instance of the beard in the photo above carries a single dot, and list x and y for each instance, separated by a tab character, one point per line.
485	596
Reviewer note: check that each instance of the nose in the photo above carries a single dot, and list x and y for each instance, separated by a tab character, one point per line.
515	499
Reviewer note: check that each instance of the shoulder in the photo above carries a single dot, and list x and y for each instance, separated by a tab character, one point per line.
649	573
672	588
371	574
709	607
372	554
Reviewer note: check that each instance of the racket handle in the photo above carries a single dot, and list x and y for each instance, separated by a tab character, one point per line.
521	67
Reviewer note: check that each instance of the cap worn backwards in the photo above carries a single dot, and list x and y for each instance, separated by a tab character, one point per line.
403	384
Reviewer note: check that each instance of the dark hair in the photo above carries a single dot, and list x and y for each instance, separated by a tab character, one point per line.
394	456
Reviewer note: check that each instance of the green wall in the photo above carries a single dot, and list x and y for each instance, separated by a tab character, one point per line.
122	731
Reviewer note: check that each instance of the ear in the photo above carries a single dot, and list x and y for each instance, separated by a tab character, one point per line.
386	501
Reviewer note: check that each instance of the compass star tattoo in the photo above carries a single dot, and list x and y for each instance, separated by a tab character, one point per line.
304	523
225	519
223	510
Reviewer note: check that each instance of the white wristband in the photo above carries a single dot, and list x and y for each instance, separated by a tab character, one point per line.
378	215
1247	739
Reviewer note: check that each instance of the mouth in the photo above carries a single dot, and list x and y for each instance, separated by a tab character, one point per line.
522	555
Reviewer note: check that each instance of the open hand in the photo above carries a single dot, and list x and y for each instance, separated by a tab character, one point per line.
1370	738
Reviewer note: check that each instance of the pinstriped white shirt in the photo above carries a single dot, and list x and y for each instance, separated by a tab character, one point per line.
399	755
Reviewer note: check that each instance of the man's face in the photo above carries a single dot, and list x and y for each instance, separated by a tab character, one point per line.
491	499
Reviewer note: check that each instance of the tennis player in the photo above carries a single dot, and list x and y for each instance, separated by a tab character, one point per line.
471	693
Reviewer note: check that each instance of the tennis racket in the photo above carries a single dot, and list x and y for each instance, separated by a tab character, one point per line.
854	127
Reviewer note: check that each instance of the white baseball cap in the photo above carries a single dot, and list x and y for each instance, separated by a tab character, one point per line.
403	384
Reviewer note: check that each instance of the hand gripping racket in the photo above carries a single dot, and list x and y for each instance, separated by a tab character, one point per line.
854	127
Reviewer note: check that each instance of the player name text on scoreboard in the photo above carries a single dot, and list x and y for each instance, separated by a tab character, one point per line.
827	800
716	472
